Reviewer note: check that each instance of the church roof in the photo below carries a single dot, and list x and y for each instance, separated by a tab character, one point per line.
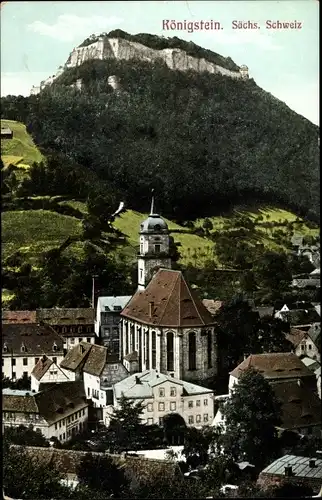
168	301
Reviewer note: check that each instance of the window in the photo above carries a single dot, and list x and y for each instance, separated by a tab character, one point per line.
190	419
302	347
80	329
64	329
173	391
59	437
36	360
205	417
198	402
89	329
84	411
25	361
54	346
55	427
88	391
88	340
198	419
147	350
60	424
157	248
150	407
205	402
170	354
161	407
54	359
160	421
150	421
64	422
209	350
310	346
13	362
173	406
190	404
64	435
154	351
192	351
13	375
72	340
161	392
141	273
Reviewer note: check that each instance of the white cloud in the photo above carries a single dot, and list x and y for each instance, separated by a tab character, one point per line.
69	27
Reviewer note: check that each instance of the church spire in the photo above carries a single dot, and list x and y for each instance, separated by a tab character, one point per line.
152	203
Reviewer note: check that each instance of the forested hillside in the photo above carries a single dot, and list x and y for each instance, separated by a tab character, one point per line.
202	141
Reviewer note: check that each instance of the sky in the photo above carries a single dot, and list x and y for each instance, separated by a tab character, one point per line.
37	37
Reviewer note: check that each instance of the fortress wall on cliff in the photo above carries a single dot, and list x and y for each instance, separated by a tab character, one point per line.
118	48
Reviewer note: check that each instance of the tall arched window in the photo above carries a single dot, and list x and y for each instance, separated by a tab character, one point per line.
209	350
192	351
170	353
154	352
132	348
147	349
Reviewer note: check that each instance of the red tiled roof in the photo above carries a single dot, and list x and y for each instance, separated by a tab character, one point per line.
19	317
41	367
36	339
168	301
274	366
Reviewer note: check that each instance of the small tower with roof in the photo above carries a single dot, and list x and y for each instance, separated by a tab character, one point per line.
154	249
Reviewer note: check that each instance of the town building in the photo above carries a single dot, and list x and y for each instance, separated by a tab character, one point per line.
20	317
59	411
24	344
46	371
163	395
298	314
140	471
275	368
73	324
295	470
306	343
107	320
97	369
169	329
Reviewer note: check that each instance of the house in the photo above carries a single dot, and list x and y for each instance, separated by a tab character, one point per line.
170	329
73	324
107	320
6	133
98	370
306	343
20	317
291	469
163	394
60	411
275	367
299	314
46	371
140	471
24	344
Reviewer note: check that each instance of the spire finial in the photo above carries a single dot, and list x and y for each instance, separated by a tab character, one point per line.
152	202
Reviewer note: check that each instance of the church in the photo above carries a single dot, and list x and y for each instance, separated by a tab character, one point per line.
165	326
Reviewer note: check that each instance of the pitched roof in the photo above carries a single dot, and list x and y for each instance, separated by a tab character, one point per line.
299	317
140	385
18	317
213	306
89	357
311	363
143	470
55	399
66	316
264	311
112	302
274	366
41	367
315	333
171	301
300	467
36	339
295	336
300	407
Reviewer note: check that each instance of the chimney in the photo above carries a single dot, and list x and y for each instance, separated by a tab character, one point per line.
137	380
151	307
43	359
81	348
312	463
288	470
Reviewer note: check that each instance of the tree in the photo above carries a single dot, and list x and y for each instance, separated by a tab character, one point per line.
26	436
251	414
126	428
271	336
272	275
100	473
22	383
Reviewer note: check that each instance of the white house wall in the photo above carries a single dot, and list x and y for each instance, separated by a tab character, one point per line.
20	368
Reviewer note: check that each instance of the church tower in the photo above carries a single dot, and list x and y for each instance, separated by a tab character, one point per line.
154	247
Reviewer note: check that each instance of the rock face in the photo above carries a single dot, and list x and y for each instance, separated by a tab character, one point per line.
119	48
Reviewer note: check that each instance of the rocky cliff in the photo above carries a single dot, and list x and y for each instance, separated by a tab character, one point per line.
175	59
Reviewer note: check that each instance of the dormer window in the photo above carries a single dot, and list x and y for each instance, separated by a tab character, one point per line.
23	348
55	347
5	348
